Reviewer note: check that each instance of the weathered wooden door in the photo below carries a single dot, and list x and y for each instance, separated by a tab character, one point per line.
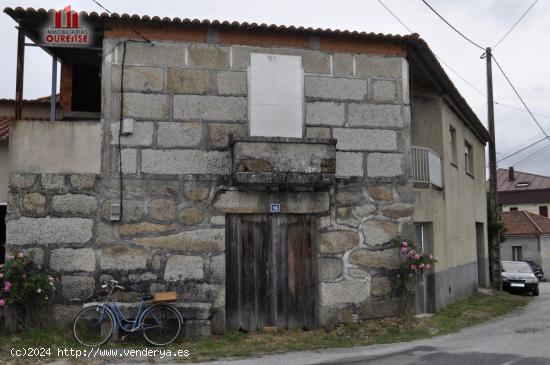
271	271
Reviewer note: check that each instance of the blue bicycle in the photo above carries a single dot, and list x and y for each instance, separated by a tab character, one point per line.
160	324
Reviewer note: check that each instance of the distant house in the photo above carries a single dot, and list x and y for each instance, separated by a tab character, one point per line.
519	191
262	172
527	238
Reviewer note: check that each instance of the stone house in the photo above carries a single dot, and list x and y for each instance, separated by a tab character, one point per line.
260	171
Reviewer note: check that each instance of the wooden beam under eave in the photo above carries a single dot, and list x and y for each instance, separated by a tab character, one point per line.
19	74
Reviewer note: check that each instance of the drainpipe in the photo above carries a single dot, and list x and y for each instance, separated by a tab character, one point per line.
53	96
19	73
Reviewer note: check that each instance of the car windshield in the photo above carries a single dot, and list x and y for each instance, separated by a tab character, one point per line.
516	266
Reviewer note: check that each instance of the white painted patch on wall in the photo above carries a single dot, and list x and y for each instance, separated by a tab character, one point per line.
276	95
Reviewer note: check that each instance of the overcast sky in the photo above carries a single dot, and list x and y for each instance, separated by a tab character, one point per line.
524	54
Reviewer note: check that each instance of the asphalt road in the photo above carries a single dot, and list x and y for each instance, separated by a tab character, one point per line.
522	338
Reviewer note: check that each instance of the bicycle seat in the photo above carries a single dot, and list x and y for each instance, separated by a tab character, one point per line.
145	296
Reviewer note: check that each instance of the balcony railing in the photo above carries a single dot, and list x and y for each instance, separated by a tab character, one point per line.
426	166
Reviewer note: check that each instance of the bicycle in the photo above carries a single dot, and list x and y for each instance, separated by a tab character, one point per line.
160	324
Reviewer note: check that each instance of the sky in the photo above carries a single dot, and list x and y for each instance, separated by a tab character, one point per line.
523	54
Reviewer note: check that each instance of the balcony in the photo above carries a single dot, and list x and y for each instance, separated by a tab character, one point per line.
283	161
426	166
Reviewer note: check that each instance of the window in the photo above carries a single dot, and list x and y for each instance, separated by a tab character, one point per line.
513	209
452	147
468	158
543	210
276	94
522	184
517	255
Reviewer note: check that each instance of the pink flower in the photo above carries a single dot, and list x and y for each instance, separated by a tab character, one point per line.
50	279
413	267
403	250
405	244
431	257
411	253
2	303
1	275
7	287
39	290
20	255
9	257
421	266
427	266
1	266
417	257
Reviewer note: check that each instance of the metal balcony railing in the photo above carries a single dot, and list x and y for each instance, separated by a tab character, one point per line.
426	166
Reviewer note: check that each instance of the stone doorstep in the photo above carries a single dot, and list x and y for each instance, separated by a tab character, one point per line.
189	311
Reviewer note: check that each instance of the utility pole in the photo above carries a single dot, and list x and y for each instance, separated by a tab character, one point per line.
494	216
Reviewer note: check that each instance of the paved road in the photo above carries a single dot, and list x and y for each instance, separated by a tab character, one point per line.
522	338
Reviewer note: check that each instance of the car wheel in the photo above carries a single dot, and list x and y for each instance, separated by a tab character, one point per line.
535	292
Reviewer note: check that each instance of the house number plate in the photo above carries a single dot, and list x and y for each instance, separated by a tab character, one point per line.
275	208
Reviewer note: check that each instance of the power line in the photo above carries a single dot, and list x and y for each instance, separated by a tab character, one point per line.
521	150
521	109
519	96
532	156
130	27
452	27
466	81
515	24
395	16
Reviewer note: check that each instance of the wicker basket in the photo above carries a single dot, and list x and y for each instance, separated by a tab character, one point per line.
167	296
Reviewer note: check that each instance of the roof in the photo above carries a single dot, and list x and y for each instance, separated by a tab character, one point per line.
417	45
4	128
535	182
524	223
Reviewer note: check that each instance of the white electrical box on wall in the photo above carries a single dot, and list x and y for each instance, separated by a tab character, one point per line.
127	126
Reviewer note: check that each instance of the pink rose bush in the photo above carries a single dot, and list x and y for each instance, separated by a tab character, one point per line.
412	260
23	283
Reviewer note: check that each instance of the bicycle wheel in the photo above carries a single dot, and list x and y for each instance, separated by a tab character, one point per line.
93	326
161	325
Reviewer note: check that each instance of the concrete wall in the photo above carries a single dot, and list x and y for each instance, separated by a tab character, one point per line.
534	248
455	209
533	208
31	109
545	255
186	98
4	172
529	247
60	147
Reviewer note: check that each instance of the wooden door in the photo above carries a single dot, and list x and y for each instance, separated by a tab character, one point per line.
271	271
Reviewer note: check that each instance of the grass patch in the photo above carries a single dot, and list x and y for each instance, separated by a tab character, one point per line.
474	310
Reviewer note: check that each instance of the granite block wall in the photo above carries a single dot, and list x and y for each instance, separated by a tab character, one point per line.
185	100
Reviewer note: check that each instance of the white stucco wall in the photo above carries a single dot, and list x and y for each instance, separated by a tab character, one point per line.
532	208
60	147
